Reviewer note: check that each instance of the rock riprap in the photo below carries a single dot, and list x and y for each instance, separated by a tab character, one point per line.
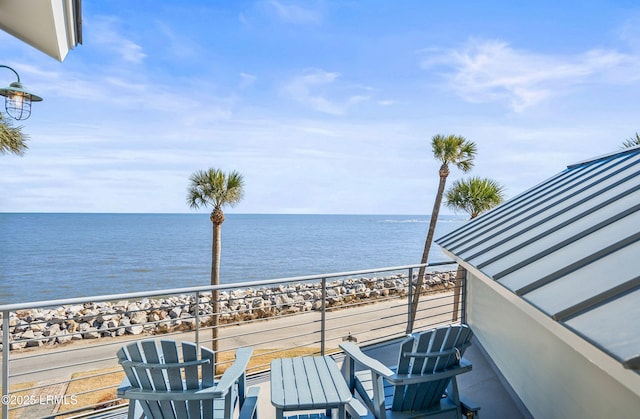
159	315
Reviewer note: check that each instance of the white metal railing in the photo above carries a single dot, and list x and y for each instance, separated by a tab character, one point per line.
58	356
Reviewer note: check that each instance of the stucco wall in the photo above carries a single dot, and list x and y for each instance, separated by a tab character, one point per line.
538	358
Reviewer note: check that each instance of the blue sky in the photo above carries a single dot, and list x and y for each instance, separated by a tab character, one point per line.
324	106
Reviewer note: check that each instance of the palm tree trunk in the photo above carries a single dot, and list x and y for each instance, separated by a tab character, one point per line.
444	172
215	280
215	254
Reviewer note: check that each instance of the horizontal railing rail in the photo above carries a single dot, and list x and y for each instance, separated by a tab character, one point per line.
58	356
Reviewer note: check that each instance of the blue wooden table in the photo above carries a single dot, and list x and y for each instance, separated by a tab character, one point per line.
308	383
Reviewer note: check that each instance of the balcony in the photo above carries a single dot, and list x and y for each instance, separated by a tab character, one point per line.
61	361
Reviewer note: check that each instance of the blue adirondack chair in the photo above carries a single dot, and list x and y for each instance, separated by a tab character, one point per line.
423	383
163	383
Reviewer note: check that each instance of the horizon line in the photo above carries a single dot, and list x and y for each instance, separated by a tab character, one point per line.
226	213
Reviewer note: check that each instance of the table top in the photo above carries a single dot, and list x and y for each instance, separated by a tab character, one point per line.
308	382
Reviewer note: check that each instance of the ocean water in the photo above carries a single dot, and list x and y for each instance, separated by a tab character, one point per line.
49	256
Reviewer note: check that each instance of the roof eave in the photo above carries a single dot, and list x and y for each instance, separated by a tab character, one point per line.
53	27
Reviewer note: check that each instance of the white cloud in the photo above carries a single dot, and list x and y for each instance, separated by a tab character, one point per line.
386	102
292	13
322	91
176	43
493	71
104	31
629	32
131	51
247	80
191	101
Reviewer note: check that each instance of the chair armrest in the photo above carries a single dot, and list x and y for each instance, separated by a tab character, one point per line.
232	374
469	407
356	409
354	352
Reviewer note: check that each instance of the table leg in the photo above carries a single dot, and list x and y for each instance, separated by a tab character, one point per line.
279	413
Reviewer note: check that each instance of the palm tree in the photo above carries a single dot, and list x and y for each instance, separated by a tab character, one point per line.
457	151
631	142
12	140
216	189
474	195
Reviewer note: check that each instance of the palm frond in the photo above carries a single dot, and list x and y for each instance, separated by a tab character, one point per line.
214	188
454	149
12	139
474	195
631	142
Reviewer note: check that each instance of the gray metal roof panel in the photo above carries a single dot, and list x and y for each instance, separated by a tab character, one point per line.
586	282
572	252
614	328
607	156
548	198
579	216
567	244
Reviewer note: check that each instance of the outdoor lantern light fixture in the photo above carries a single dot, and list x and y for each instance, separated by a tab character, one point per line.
17	101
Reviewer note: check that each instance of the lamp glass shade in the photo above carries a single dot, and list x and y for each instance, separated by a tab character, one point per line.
18	106
18	101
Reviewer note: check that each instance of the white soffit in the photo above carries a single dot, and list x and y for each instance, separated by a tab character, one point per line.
51	26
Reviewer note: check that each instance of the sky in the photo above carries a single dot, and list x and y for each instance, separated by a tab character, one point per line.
323	106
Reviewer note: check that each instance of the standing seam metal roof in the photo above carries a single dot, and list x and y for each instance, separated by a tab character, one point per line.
570	246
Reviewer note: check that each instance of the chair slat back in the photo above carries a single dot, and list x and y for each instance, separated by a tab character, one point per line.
141	379
428	352
404	395
175	375
443	340
207	381
158	382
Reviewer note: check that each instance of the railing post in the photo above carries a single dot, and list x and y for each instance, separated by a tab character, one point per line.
409	300
323	319
457	293
197	319
464	296
5	364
